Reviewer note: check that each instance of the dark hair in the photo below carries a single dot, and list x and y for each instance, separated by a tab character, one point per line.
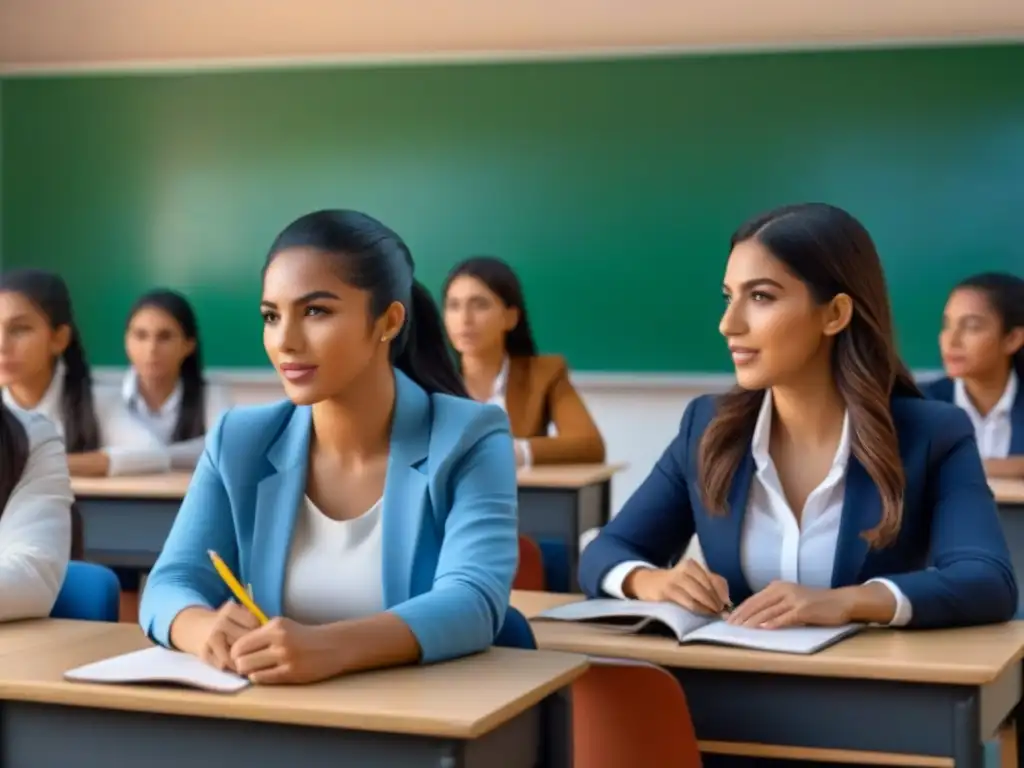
192	415
14	450
832	253
371	257
1005	294
50	295
502	281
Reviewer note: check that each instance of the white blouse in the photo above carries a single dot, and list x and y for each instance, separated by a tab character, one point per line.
994	431
335	568
35	528
774	544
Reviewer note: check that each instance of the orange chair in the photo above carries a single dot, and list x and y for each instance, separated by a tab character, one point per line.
530	574
631	713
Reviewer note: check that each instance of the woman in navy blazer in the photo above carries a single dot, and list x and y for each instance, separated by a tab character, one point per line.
374	513
824	489
982	343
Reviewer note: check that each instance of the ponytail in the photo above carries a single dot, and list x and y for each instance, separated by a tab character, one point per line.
81	430
14	451
422	352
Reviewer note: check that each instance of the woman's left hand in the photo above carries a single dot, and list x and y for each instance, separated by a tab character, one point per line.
283	651
784	604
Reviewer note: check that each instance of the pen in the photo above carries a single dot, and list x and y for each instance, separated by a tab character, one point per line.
244	597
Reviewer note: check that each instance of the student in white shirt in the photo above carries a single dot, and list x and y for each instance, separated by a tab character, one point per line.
982	343
164	392
35	524
485	317
824	489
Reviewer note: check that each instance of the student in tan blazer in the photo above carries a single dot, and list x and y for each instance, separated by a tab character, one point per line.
485	316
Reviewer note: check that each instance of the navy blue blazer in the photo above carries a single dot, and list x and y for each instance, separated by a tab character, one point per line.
942	389
950	558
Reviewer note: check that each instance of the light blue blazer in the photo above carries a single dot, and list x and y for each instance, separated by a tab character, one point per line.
450	538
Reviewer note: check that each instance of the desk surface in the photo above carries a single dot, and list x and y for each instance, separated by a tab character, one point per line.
1007	490
970	656
462	699
34	634
174	485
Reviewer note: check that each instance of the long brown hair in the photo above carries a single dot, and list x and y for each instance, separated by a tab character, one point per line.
832	253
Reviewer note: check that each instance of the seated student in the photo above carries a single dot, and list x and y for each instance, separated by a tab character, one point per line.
824	489
164	391
43	369
374	512
485	316
35	522
982	343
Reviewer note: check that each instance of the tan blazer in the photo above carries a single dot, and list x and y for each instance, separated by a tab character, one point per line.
539	393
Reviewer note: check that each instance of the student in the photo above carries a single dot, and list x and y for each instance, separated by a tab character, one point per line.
485	316
374	512
43	369
824	489
35	522
164	391
982	342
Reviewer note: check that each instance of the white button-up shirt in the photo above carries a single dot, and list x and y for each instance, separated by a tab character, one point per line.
994	431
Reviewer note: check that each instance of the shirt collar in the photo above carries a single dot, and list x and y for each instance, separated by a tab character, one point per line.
1003	406
760	442
49	403
133	397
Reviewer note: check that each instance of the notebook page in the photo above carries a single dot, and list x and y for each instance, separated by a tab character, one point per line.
158	665
788	640
676	618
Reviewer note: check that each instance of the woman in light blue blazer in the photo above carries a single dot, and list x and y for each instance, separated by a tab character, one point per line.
374	512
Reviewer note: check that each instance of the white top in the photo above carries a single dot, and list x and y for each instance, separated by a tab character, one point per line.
498	398
774	545
335	567
136	440
993	431
35	528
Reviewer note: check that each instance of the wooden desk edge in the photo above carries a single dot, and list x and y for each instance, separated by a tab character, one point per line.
568	475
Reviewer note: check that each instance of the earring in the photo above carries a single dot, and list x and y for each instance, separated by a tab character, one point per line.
384	339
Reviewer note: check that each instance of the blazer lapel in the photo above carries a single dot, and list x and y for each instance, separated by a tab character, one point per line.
405	488
731	527
278	496
862	510
1017	421
517	391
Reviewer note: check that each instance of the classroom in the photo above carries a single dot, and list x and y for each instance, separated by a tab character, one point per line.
642	353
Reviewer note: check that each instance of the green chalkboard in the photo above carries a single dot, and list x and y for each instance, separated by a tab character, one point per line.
611	186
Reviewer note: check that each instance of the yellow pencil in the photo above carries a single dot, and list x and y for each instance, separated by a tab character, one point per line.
236	589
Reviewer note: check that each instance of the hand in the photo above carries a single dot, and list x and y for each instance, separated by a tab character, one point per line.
284	651
88	464
688	584
784	604
210	635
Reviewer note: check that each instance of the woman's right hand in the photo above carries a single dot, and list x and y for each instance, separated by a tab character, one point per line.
210	634
688	584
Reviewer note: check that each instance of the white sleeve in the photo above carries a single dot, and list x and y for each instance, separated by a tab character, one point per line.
131	448
185	454
35	528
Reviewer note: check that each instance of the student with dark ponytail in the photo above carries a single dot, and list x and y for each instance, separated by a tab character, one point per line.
982	342
35	515
374	511
164	392
43	368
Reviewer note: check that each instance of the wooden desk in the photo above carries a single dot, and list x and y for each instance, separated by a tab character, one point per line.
126	520
883	691
1009	495
421	716
557	505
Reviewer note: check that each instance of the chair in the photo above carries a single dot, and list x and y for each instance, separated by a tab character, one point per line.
530	574
557	570
90	592
631	713
516	632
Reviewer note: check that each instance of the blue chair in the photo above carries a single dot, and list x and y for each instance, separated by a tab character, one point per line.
90	592
516	632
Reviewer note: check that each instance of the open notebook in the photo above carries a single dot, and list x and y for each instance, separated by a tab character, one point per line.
158	665
637	615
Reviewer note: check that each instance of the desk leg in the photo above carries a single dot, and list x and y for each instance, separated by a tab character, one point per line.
968	751
556	730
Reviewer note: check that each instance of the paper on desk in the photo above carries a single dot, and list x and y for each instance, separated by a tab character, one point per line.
158	665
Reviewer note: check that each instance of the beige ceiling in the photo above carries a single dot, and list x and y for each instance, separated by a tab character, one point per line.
99	34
